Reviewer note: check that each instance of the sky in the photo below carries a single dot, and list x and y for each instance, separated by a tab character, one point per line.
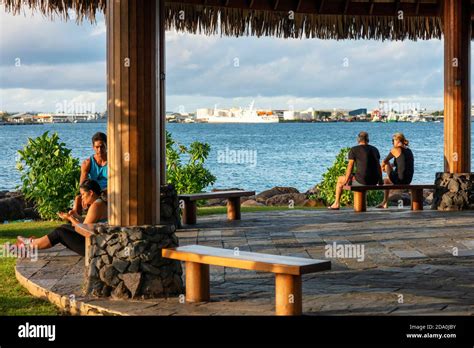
50	65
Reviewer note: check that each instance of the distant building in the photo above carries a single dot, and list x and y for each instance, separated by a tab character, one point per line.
20	118
65	118
292	115
358	112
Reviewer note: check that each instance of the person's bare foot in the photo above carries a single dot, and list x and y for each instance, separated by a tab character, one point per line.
334	207
383	205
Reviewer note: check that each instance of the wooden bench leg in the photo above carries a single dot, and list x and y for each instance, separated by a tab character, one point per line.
233	208
189	212
288	296
197	282
417	199
360	201
87	255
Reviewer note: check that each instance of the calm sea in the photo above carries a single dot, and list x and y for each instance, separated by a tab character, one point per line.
253	156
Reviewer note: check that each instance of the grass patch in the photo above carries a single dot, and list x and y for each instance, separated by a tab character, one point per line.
14	299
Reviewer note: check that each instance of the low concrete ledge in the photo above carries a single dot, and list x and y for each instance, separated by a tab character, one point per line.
44	289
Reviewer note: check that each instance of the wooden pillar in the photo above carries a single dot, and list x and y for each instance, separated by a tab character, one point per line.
288	294
197	282
457	85
360	201
417	199
135	54
189	212
233	208
162	84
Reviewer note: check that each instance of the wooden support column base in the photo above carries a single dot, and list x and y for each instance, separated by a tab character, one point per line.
189	212
360	201
197	282
233	208
416	199
288	294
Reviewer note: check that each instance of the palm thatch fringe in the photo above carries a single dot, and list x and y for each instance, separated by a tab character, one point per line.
243	22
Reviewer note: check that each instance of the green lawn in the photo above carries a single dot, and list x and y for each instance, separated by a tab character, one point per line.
15	300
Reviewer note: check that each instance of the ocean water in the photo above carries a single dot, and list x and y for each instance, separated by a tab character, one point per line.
253	156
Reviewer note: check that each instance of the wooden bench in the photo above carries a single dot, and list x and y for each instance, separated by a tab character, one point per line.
288	271
360	194
233	203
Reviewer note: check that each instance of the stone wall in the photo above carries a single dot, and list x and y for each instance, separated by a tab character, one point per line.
169	209
126	262
454	191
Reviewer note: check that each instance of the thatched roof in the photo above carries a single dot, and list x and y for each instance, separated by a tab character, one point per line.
324	19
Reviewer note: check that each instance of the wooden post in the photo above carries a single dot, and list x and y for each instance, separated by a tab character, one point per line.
197	282
457	86
161	84
189	212
288	294
135	54
233	208
360	201
417	199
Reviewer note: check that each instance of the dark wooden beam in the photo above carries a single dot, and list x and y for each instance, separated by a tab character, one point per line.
371	7
297	9
321	7
275	5
397	6
346	6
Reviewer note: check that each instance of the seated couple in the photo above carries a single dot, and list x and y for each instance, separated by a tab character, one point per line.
93	185
368	171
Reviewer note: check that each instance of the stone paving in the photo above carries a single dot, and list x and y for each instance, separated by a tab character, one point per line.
413	263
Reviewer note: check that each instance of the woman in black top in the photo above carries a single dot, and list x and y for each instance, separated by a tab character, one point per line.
401	172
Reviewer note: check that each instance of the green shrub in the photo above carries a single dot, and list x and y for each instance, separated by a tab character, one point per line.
326	190
190	177
49	175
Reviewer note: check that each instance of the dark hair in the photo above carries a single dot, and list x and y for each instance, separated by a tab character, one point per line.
99	136
363	137
91	185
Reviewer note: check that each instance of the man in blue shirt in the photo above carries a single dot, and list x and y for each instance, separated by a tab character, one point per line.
94	168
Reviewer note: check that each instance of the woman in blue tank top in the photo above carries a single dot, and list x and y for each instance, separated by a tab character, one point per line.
94	168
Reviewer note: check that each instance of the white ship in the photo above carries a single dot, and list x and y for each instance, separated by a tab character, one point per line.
240	115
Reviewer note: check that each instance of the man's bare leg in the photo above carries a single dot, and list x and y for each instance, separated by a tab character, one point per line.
340	184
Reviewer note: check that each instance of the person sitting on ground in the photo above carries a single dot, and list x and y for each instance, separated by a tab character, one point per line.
66	234
94	168
401	172
366	159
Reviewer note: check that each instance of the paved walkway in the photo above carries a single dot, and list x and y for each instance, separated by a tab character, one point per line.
414	263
